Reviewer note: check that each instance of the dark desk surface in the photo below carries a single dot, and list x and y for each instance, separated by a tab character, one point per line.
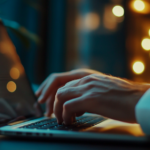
41	144
51	144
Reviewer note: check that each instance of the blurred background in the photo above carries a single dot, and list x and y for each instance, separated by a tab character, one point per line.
111	36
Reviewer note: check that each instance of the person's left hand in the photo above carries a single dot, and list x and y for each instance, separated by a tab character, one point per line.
101	94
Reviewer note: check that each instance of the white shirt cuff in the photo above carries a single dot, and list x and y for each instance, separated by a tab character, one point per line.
142	112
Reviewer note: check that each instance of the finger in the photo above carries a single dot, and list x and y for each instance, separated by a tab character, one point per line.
49	106
38	92
51	84
72	107
57	80
63	95
72	83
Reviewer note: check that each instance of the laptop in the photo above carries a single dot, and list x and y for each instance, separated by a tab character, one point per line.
22	116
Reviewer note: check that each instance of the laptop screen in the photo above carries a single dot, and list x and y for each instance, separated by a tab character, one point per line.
17	100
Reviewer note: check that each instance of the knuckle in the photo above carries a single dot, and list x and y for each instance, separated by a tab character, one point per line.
92	84
86	79
69	83
59	94
106	77
89	79
54	75
66	107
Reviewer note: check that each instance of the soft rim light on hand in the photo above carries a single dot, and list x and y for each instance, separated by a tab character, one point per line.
118	11
138	67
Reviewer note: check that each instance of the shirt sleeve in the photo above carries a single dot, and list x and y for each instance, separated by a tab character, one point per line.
142	112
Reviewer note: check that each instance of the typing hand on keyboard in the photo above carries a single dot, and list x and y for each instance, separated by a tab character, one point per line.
90	91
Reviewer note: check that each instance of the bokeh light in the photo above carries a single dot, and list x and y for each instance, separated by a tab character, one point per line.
149	32
118	11
11	86
14	73
145	44
91	21
78	22
138	67
139	5
109	20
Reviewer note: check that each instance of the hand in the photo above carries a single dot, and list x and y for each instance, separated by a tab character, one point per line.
101	94
47	91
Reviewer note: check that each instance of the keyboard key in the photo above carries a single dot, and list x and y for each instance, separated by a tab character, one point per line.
51	124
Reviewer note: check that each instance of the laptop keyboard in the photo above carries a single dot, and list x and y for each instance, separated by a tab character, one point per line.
82	122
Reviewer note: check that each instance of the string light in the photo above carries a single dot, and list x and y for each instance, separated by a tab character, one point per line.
109	19
139	5
118	11
138	67
145	44
11	86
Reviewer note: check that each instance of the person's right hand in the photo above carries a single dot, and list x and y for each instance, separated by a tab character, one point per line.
47	90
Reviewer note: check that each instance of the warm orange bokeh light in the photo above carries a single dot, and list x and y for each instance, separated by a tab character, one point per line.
11	86
88	22
149	32
14	73
91	21
118	11
109	20
138	67
78	22
140	6
146	44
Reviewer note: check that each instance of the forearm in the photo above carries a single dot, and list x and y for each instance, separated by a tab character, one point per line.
120	101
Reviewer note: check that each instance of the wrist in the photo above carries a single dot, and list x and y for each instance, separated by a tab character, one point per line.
135	98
